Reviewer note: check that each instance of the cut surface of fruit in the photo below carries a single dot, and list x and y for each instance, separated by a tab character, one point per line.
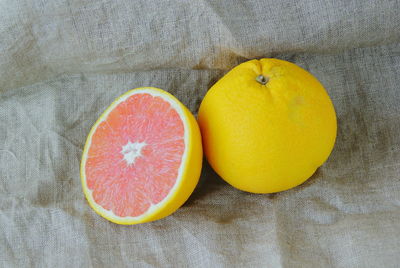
142	158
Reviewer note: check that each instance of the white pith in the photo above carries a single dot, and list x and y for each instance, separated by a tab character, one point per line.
131	151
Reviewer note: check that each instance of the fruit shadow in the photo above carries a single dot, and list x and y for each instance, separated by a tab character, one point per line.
209	183
310	181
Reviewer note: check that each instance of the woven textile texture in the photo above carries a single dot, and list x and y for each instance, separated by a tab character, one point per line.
62	62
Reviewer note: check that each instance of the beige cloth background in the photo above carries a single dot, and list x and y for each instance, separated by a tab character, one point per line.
62	62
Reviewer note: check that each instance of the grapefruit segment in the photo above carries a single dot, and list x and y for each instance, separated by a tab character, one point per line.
142	158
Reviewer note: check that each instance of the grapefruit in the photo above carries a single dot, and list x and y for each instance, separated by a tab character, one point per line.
142	158
267	125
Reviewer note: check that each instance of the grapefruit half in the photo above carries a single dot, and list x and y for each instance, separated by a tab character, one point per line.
142	158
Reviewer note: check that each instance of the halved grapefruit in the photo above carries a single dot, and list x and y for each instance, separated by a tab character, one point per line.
142	158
